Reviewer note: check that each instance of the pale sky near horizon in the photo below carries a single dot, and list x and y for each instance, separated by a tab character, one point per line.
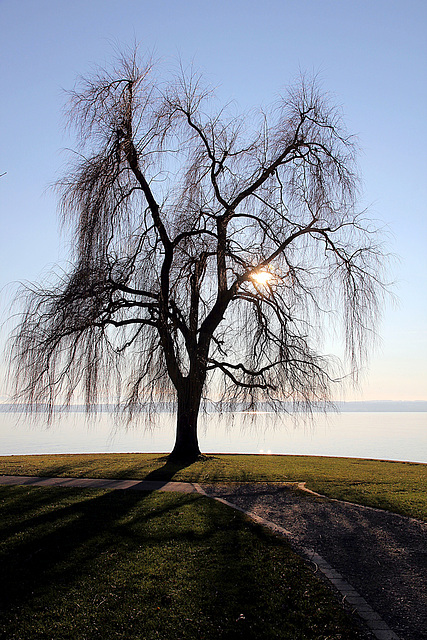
371	55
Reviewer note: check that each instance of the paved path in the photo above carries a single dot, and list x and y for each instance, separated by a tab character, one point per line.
99	483
377	557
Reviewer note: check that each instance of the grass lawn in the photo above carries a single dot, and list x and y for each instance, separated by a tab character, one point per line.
396	486
97	564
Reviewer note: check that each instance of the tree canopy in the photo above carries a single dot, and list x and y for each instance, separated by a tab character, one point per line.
210	251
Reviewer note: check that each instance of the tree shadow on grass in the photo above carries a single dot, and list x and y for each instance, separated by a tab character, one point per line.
65	532
171	468
71	552
167	471
99	564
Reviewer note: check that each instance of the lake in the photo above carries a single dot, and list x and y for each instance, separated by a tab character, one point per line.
383	435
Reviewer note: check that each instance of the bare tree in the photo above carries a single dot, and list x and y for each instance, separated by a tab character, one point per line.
210	250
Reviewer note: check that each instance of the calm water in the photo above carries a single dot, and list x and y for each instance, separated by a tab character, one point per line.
387	436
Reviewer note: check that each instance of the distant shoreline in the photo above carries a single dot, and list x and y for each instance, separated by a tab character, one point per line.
374	406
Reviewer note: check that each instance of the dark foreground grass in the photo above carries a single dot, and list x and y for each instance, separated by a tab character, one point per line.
395	486
96	564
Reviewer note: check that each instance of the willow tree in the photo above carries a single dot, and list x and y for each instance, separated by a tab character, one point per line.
209	251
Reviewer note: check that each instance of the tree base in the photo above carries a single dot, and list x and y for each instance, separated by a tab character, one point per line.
185	458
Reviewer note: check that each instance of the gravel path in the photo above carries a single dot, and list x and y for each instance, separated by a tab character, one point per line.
382	555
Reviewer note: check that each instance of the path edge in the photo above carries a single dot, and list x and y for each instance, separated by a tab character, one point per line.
376	625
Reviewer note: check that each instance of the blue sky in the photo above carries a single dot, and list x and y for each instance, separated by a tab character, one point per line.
370	55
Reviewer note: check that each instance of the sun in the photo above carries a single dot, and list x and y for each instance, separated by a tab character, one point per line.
261	277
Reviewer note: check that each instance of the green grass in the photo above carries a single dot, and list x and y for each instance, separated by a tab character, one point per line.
395	486
96	564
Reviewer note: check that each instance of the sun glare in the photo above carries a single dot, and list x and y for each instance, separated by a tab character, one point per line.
261	277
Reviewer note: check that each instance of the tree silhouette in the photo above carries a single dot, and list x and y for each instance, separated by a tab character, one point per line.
209	252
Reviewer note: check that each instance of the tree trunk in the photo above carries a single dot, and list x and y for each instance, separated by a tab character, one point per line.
186	447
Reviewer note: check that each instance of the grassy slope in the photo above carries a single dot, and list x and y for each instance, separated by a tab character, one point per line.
396	486
95	564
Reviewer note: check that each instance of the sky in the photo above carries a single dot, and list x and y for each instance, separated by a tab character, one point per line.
369	55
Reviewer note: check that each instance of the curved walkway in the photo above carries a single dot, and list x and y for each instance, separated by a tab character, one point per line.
378	557
101	483
371	556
